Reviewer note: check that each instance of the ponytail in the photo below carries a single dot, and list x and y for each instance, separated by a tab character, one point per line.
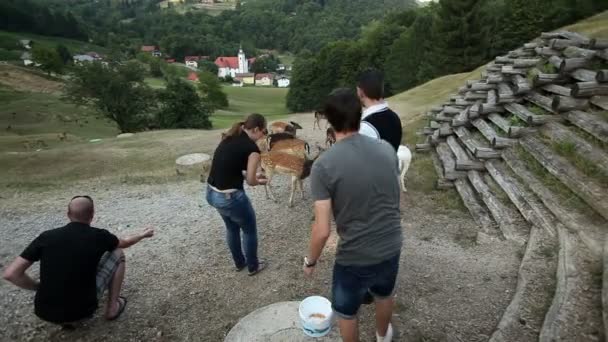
252	121
235	130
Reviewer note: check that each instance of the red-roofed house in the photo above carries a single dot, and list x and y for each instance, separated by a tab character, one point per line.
264	79
193	77
230	66
152	49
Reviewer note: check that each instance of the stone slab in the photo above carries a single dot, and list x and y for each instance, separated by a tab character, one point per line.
277	322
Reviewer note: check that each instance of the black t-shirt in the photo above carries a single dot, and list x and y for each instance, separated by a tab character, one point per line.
230	160
68	267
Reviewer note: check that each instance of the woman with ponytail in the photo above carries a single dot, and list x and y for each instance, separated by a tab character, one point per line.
237	159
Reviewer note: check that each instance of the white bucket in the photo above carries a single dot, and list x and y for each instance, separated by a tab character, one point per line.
316	316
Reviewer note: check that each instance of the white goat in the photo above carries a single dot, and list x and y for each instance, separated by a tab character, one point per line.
405	158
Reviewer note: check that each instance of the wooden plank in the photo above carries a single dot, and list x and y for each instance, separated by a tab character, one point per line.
473	112
505	217
434	139
588	89
590	124
488	132
486	108
496	78
561	44
474	146
557	89
451	110
463	161
449	162
504	60
543	102
461	119
560	134
577	284
522	85
577	52
600	101
505	92
492	97
587	188
500	121
510	70
567	103
570	64
445	129
547	51
599	44
482	86
526	62
528	117
442	183
601	76
488	231
584	75
470	95
542	79
555	61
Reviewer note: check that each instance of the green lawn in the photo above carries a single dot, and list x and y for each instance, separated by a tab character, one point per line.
269	102
156	83
75	46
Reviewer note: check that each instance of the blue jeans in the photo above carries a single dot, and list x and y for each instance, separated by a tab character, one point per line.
351	283
238	214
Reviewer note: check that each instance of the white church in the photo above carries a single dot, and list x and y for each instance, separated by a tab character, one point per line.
233	65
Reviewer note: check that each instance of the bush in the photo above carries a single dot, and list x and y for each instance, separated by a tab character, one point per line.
9	55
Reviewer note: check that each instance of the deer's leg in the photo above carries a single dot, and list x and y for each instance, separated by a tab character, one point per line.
294	184
267	187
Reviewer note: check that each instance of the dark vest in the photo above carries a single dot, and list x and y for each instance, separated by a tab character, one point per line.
388	126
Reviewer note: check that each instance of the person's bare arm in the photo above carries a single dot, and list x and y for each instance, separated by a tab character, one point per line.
15	273
251	175
133	239
321	230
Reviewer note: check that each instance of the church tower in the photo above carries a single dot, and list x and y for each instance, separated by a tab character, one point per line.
243	64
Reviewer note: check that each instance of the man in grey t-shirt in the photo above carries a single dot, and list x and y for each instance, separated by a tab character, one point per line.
357	181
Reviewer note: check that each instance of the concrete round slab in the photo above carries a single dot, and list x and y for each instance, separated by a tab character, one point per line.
125	135
193	164
277	322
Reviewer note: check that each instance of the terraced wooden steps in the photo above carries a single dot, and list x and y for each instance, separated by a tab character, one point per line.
488	229
589	189
576	312
524	317
561	134
508	219
475	146
589	123
464	160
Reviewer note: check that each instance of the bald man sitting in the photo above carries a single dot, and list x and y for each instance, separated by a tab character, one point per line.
77	263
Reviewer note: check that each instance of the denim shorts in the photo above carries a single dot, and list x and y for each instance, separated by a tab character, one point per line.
351	283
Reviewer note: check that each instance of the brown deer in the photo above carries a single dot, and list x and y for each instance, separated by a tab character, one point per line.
284	142
298	168
318	117
284	127
330	137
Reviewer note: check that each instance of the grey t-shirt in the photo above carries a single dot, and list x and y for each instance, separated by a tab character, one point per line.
360	176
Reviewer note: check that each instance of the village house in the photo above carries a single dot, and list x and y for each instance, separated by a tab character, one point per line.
193	77
151	49
26	57
26	43
283	82
247	78
192	61
79	59
264	80
231	66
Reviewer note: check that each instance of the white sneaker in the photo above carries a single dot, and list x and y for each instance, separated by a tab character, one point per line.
388	337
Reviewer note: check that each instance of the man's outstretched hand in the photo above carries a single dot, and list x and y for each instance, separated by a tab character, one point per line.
148	232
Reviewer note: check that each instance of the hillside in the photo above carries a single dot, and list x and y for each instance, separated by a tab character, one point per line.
75	46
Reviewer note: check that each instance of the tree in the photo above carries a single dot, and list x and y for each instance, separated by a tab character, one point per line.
302	95
460	40
211	90
181	107
64	54
265	64
49	59
116	91
209	66
156	67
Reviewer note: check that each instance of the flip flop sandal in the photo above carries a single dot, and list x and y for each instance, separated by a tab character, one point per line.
121	308
261	267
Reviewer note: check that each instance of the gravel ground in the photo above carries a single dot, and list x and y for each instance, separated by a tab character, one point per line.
182	287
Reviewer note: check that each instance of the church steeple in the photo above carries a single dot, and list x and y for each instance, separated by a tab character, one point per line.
243	63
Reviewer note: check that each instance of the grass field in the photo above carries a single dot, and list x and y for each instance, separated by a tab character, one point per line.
267	101
74	46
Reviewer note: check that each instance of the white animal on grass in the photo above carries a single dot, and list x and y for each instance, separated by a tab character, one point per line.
405	158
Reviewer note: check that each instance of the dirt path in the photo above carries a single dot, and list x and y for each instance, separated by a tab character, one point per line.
181	285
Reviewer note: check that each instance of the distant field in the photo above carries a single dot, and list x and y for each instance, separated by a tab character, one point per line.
74	46
156	83
267	101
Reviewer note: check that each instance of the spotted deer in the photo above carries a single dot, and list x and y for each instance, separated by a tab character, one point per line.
330	137
284	127
298	168
284	142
